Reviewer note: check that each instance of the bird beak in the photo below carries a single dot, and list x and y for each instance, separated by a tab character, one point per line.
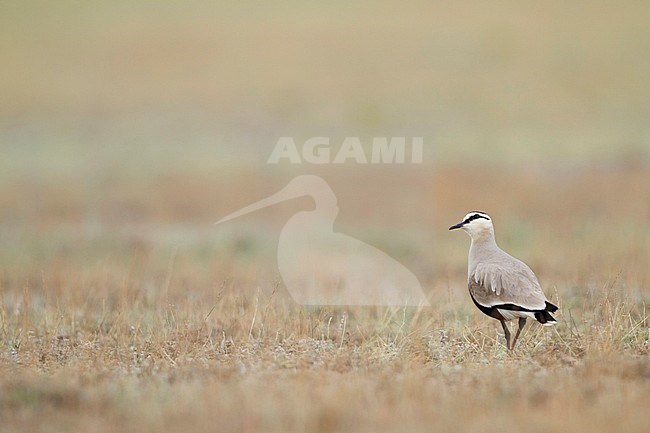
456	226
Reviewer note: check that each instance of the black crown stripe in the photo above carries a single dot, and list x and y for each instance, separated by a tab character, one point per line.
475	217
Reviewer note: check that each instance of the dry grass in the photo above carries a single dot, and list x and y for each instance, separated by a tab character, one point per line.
205	358
127	129
188	328
111	354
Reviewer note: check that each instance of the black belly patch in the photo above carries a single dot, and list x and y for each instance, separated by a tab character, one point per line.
542	316
490	311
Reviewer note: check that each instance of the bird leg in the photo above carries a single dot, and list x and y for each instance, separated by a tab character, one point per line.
522	323
507	332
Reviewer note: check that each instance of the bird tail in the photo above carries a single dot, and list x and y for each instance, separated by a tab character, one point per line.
544	317
550	307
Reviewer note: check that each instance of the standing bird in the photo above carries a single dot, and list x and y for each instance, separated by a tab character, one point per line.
500	285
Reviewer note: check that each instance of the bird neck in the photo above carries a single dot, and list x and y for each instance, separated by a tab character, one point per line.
484	236
481	247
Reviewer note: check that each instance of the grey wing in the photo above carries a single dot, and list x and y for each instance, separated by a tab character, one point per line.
496	283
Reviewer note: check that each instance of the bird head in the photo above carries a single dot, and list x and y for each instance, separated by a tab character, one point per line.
476	224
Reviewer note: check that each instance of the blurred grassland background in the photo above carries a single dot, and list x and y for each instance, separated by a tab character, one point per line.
128	128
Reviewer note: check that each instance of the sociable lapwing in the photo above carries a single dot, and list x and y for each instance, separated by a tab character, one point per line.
500	285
